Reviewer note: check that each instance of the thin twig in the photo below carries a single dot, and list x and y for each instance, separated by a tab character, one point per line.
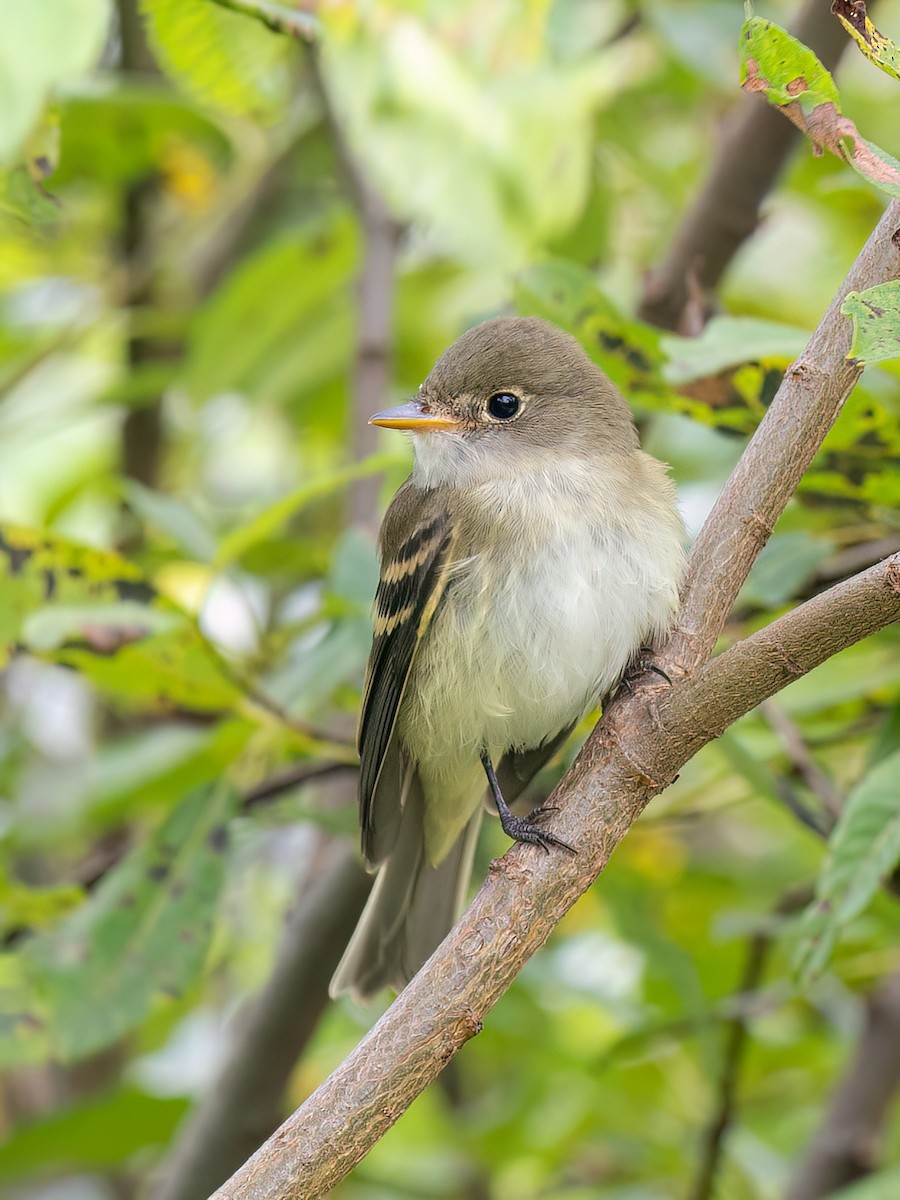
277	17
293	777
703	1184
856	558
807	816
818	782
373	353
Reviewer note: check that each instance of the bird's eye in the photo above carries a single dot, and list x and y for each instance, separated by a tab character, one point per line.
503	405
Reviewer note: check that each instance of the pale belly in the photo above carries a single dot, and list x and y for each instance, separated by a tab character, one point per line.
555	635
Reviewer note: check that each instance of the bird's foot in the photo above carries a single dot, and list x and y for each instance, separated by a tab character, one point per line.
640	665
522	829
526	829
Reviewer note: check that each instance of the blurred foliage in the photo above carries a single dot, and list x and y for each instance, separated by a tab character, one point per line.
184	612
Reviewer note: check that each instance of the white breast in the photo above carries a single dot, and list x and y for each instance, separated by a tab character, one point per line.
527	640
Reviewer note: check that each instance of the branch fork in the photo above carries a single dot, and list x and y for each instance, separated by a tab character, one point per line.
642	742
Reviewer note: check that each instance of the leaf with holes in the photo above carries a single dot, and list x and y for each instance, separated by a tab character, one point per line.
95	612
877	48
38	570
788	74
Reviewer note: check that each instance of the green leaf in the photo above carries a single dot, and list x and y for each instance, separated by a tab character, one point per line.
23	197
241	333
783	69
887	740
39	568
79	1137
174	669
142	934
266	523
876	322
174	517
520	125
727	342
105	625
792	79
119	132
43	45
143	771
219	57
23	1014
877	48
30	907
864	849
93	611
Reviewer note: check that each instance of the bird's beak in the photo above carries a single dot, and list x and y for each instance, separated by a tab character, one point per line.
415	416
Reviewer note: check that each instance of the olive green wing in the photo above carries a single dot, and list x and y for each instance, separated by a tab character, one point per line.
416	543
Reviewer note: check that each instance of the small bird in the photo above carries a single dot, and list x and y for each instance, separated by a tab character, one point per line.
530	555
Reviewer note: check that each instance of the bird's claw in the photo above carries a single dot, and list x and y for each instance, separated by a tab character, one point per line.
542	810
525	830
640	665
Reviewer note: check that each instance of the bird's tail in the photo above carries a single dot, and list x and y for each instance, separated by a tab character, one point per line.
412	908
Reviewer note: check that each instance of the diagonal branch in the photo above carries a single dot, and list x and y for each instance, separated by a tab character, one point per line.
804	409
631	756
635	751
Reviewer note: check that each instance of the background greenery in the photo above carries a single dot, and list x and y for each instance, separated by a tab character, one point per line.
185	210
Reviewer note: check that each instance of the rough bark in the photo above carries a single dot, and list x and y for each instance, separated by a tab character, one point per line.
637	750
805	407
634	753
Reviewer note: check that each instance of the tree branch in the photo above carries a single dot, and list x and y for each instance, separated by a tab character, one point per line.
293	777
818	781
636	751
381	234
374	348
632	755
805	407
845	1146
753	150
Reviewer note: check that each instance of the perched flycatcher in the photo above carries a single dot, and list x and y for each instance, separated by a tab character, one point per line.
534	549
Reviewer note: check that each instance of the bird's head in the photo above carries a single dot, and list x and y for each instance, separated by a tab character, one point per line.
509	396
